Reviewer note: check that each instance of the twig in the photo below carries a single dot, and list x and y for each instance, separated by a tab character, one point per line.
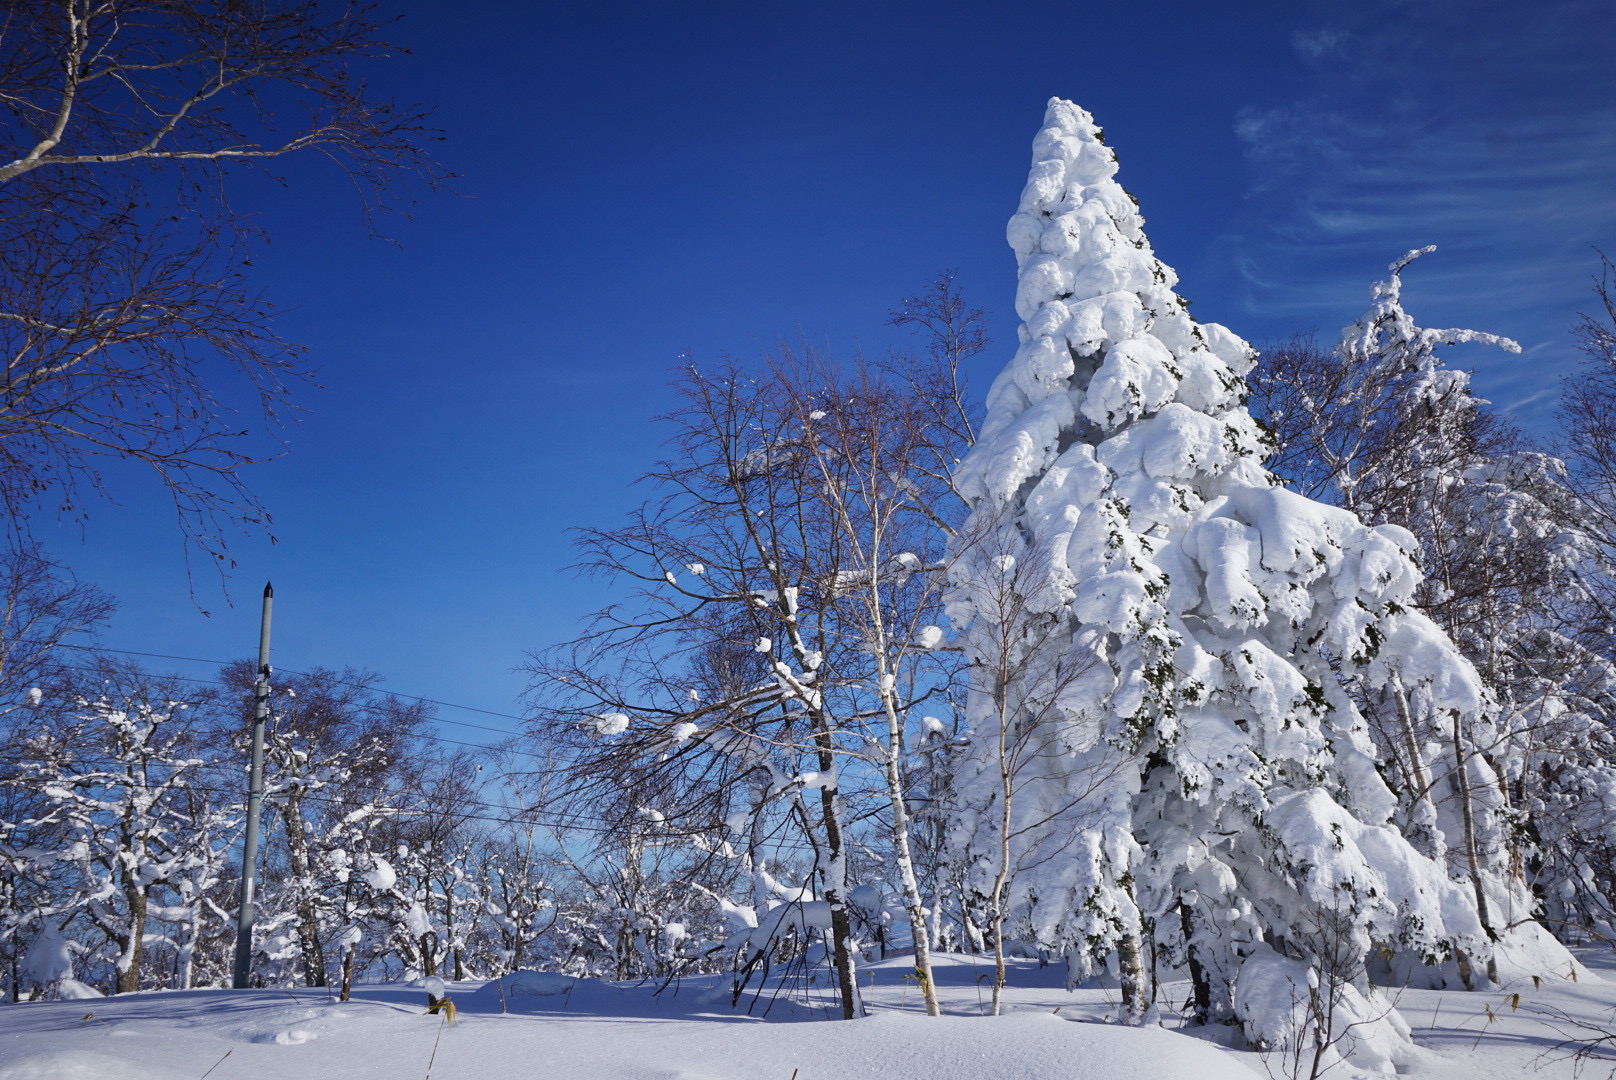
441	1024
216	1064
1581	1040
1488	1009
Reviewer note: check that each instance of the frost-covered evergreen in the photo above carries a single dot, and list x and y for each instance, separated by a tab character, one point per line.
1380	426
1499	551
1211	613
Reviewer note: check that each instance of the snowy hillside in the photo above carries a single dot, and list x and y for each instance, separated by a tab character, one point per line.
589	1030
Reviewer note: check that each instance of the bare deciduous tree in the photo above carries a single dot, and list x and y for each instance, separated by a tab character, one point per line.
338	749
127	328
1024	801
788	586
1588	408
41	606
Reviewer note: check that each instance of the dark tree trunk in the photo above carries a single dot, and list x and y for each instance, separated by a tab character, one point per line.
128	978
347	973
1201	986
429	959
834	877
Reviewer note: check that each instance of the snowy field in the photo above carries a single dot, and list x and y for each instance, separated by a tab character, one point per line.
585	1030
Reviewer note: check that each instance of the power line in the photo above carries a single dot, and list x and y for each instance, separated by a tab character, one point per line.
385	693
418	735
542	758
305	674
533	819
219	767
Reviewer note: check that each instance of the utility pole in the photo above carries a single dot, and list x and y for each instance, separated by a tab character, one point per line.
255	802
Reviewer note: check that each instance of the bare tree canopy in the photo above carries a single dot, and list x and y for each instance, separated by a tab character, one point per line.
126	326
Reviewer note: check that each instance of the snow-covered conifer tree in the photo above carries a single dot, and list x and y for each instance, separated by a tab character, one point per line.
1211	611
1380	426
1498	546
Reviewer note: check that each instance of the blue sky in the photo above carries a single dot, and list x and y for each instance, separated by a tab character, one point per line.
638	180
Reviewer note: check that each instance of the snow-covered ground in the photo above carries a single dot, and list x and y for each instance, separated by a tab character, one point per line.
557	1028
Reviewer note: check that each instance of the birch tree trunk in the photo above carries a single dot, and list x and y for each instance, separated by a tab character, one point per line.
1131	975
1467	811
913	902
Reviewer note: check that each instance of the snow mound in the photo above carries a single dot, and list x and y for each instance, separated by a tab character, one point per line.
526	983
81	1065
1528	950
892	1046
73	990
292	1037
1278	1002
543	992
48	959
1523	953
604	1032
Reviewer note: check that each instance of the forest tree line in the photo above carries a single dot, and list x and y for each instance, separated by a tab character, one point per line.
749	761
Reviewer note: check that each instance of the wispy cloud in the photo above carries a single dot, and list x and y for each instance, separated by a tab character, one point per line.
1428	125
1319	42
